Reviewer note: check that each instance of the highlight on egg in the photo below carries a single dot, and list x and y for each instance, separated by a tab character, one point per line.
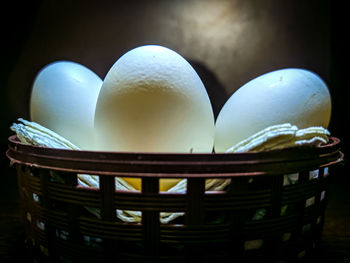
152	100
63	99
290	95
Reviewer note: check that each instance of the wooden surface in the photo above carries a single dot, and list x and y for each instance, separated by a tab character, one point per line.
335	246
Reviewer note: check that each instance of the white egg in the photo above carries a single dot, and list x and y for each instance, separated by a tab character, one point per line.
63	99
152	100
291	95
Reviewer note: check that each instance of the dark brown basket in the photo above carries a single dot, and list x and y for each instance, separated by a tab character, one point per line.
217	226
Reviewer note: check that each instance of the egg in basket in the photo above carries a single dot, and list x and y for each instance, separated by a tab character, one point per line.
153	101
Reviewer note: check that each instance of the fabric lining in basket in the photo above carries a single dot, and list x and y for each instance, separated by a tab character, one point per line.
271	138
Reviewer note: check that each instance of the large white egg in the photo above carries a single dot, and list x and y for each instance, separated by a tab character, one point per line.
152	100
63	99
291	95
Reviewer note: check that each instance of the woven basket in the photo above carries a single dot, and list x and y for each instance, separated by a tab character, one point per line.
216	226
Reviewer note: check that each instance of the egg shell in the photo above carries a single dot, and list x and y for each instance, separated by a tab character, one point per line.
290	95
63	99
152	100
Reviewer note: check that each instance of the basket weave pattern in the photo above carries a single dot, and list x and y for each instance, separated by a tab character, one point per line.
217	226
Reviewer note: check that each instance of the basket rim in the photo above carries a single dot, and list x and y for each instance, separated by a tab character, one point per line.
147	164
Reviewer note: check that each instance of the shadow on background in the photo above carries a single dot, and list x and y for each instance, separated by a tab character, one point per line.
216	91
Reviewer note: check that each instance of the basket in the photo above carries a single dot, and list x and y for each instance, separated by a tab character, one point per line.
215	226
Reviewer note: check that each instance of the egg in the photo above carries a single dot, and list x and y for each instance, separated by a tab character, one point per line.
63	99
291	95
152	100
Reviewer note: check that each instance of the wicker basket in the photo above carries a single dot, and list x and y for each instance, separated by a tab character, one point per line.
216	226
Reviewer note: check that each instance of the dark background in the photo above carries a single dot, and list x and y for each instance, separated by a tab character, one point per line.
227	42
